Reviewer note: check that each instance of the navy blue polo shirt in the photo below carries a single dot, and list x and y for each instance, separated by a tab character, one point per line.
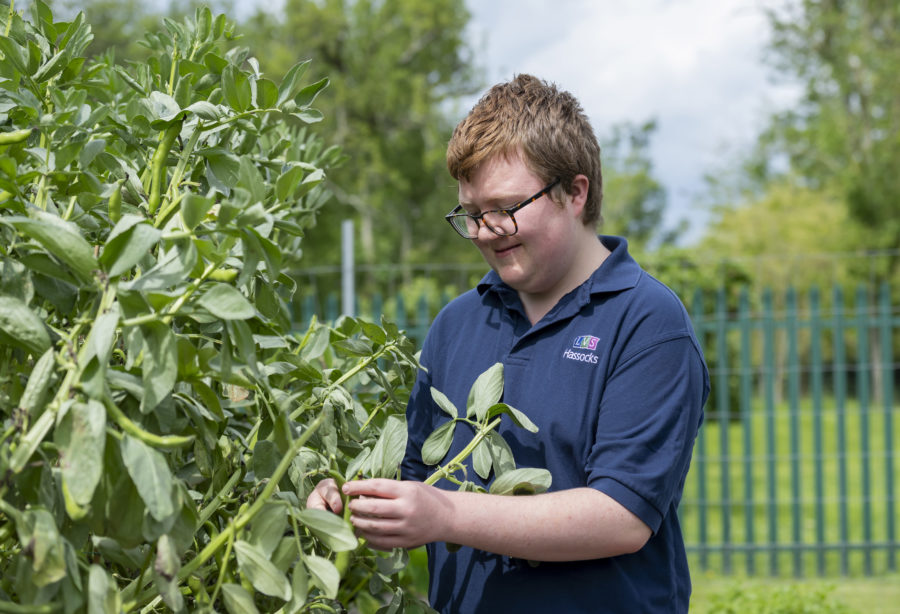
615	380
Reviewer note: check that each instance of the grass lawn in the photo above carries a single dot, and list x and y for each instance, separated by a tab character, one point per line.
809	491
877	595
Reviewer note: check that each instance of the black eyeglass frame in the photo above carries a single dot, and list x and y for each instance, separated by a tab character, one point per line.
510	211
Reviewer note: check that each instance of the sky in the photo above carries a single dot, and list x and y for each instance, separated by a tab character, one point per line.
695	66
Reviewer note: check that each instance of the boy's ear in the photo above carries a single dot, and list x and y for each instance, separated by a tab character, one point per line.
579	193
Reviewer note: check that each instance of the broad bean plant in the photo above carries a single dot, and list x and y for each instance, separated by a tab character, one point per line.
163	415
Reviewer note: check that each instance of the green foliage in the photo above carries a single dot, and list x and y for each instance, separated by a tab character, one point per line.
397	67
843	135
796	599
489	451
162	422
787	221
633	199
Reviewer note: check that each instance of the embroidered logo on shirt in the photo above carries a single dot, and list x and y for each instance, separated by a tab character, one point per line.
583	342
586	342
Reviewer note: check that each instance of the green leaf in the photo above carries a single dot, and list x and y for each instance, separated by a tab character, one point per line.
444	403
81	437
47	549
160	367
436	445
324	574
333	530
14	54
268	527
288	181
194	208
236	88
224	165
38	382
165	573
90	151
162	106
128	242
518	417
300	588
259	570
103	333
53	66
522	481
22	326
237	600
485	392
151	476
31	440
266	94
481	459
265	459
103	598
373	332
307	95
501	454
61	239
291	82
389	449
205	110
226	302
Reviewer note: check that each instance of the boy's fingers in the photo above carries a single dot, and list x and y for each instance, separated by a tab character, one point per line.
376	487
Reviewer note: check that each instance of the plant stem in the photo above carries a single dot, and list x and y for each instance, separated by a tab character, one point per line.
9	16
172	70
346	376
213	505
15	608
170	311
178	174
224	567
247	515
445	470
158	441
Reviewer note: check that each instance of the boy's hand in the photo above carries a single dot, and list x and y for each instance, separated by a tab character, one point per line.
397	514
325	496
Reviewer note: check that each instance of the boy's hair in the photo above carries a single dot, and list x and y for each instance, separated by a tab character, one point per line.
546	125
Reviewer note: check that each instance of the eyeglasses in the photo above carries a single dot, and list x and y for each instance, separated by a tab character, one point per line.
501	222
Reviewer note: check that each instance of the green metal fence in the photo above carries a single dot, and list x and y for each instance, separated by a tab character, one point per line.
795	470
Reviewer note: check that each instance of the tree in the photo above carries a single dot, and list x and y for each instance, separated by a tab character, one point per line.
396	66
788	236
844	133
634	198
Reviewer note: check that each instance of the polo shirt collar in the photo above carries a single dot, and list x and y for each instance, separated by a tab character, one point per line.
618	272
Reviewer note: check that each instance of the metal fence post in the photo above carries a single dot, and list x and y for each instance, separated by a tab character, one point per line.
348	287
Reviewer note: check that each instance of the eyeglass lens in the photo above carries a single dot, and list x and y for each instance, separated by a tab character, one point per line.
499	222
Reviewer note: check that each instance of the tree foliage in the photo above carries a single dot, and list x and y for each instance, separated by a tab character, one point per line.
397	66
634	200
845	133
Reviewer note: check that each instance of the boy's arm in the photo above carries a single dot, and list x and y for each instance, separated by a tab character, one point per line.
568	525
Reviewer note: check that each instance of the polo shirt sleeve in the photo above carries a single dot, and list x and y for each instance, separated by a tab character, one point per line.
647	422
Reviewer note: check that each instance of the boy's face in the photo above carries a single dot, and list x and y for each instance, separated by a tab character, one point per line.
537	259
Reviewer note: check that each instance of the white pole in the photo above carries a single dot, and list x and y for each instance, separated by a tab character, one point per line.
348	290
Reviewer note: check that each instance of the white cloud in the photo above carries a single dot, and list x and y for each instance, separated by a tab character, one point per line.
694	65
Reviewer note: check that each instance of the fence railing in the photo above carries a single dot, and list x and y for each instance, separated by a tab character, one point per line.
795	471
